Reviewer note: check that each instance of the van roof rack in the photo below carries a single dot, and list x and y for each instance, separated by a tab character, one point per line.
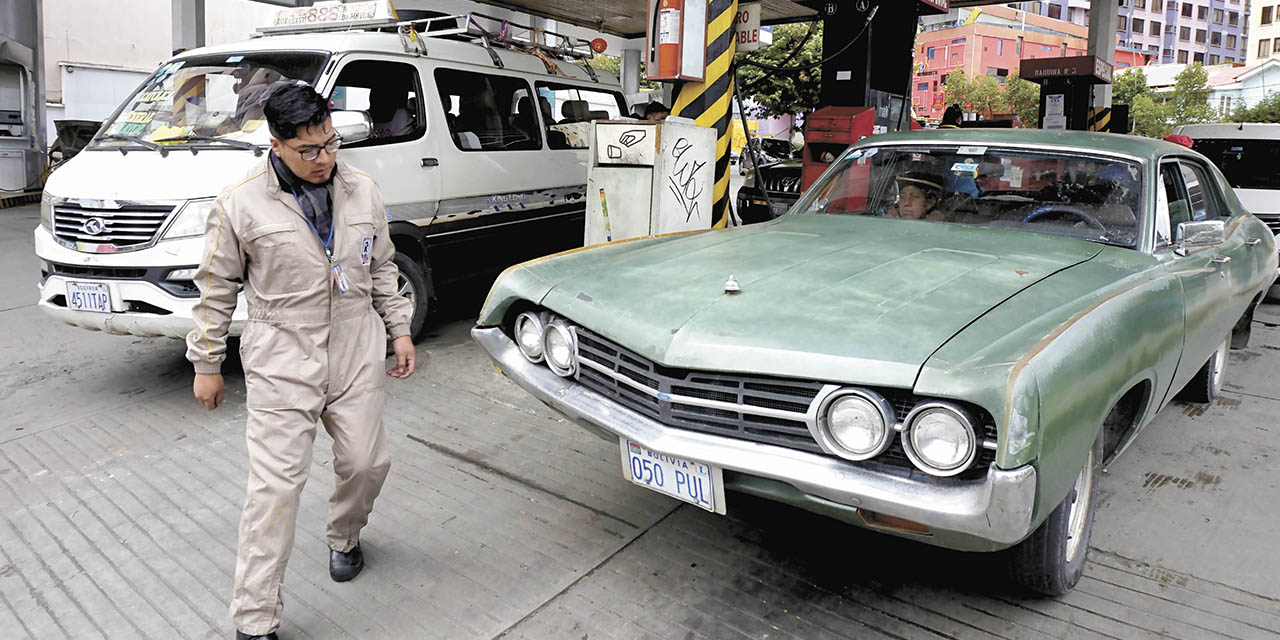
480	29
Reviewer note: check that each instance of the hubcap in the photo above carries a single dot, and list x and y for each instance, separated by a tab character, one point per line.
1079	509
404	287
1220	365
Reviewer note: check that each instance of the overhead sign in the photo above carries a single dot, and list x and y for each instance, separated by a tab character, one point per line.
746	26
1089	68
326	14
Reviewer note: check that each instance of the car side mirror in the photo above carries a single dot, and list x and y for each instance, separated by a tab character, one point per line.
352	126
1201	233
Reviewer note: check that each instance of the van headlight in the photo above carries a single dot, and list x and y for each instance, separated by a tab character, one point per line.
856	424
940	439
46	211
190	221
560	348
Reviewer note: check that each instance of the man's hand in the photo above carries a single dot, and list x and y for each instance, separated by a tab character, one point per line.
208	389
406	358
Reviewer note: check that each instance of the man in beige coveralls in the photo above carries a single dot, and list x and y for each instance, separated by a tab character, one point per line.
308	237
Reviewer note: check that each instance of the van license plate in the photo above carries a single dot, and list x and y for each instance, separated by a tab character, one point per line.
697	483
88	296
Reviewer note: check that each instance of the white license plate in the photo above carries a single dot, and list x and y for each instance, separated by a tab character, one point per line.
694	482
88	296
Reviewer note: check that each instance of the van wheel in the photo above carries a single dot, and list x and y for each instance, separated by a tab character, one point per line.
1051	561
1207	383
412	284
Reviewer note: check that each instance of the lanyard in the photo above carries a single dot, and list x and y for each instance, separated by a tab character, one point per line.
328	244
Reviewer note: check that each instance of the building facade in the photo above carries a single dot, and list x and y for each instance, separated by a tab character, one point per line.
1264	31
1204	31
992	41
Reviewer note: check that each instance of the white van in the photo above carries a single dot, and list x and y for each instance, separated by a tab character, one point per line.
477	141
1249	156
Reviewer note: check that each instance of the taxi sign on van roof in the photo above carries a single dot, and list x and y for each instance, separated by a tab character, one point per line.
330	15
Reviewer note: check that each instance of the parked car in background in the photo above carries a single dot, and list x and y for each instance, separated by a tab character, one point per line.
1248	154
781	179
770	149
956	379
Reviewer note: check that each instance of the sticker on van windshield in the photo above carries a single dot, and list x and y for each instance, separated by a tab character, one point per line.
965	168
232	59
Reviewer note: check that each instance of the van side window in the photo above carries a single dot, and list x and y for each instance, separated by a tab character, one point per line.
1204	206
388	92
488	112
568	110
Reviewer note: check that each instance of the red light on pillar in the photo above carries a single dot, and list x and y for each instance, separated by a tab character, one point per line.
599	45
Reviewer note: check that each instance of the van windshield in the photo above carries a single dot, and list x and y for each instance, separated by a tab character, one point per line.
206	100
1247	164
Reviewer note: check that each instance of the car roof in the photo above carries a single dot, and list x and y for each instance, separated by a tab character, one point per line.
1109	143
1232	130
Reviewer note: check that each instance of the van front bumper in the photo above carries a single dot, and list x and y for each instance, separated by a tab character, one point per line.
983	514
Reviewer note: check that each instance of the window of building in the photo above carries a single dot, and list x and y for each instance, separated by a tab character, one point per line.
1201	35
1186	9
958	41
1184	34
1218	15
1141	4
1155	28
1231	41
1215	38
929	54
1267	14
488	112
1182	56
1264	47
1198	57
923	86
1275	45
1155	48
1139	25
1157	5
1167	53
999	47
1224	105
1202	13
1213	58
1233	18
1055	11
1124	23
1018	47
388	92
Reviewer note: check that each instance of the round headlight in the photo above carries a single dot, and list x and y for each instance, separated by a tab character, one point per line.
940	439
857	425
559	349
529	336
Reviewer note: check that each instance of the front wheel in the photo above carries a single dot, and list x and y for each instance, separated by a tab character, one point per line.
412	284
1051	561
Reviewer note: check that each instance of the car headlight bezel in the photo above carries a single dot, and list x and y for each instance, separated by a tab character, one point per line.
46	211
912	447
533	353
826	433
190	220
558	328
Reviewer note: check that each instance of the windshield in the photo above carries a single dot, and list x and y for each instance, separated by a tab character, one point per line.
205	99
1091	198
1247	164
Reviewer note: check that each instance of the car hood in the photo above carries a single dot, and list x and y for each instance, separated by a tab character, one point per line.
839	298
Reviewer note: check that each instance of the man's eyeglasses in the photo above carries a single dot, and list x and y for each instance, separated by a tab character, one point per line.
311	152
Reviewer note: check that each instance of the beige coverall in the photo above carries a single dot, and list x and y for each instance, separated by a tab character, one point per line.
309	353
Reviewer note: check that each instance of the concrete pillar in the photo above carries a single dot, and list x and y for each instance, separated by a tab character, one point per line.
630	71
1102	43
188	24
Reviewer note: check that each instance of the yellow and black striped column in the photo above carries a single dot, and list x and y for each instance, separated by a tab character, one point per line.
1099	119
709	103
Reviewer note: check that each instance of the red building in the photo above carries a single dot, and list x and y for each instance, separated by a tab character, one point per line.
994	43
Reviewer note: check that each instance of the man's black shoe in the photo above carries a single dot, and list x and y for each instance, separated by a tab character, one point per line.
245	636
345	566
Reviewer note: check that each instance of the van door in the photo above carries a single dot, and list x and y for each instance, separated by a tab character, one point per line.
400	155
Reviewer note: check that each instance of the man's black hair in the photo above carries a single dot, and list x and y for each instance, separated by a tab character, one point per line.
655	107
292	107
953	115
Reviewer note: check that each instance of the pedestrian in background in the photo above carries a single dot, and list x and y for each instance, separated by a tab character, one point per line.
952	117
308	237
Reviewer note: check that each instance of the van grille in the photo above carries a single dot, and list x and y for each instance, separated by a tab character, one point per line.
130	227
1272	221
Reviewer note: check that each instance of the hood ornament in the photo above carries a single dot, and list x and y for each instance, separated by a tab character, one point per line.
731	286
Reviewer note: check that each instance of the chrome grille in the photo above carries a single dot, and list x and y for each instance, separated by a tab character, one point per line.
750	407
1272	221
780	182
125	228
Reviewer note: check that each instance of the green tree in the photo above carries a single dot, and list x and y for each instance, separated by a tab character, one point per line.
980	94
1267	110
1189	102
1024	99
613	64
779	94
1151	117
1129	85
1156	114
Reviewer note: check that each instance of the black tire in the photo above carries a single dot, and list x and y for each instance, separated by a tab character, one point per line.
412	284
1051	561
1207	383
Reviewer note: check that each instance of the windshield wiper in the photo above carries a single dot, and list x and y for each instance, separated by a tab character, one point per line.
146	144
239	144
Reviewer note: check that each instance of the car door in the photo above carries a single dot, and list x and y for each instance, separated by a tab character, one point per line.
1208	277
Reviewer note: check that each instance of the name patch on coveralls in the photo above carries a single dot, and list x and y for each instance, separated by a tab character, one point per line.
366	250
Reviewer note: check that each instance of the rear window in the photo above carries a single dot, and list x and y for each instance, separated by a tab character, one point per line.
1247	164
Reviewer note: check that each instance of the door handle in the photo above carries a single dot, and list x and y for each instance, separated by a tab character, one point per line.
1253	242
430	162
1221	259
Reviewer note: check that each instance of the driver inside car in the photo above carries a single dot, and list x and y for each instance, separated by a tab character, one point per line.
919	190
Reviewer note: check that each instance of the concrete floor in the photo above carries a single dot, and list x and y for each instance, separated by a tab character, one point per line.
119	499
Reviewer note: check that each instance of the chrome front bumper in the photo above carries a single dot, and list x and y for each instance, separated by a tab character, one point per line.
997	508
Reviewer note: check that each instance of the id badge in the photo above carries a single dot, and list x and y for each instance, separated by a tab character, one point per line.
366	250
340	278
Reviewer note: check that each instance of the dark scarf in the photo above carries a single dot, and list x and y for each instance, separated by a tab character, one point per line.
316	200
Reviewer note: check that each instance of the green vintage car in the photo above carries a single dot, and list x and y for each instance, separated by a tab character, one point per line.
943	340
